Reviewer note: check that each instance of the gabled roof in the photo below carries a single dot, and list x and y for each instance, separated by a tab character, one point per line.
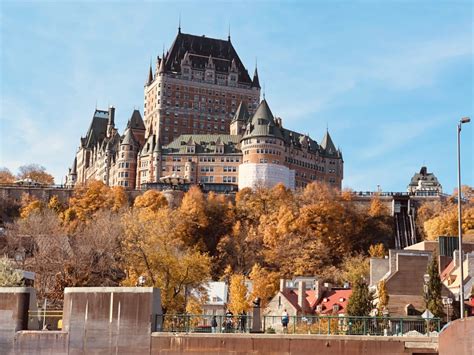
425	176
204	144
136	121
242	114
200	49
334	297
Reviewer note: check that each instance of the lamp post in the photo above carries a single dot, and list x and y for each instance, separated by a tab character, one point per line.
461	283
447	301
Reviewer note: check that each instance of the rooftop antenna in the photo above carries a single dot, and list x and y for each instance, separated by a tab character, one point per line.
264	90
327	127
228	33
179	23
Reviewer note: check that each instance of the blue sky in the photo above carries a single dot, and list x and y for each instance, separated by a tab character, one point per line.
389	78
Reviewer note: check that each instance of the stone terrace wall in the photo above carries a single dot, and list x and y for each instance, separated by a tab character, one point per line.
276	344
458	338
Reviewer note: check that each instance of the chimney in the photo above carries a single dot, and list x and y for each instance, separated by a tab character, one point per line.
318	288
302	295
327	286
470	264
111	122
456	258
282	285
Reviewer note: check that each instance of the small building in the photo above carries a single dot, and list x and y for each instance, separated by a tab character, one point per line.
217	298
424	184
308	296
403	272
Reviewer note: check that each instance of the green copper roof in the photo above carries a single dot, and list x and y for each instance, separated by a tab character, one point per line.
262	123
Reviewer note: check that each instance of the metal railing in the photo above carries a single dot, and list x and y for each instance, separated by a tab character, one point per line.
324	325
200	323
47	320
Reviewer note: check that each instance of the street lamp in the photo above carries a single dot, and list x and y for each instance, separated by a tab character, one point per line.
447	301
461	284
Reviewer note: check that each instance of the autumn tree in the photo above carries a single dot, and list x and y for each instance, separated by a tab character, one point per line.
377	207
238	299
32	205
36	173
264	284
6	177
383	296
432	296
153	248
90	198
377	250
355	268
151	200
360	302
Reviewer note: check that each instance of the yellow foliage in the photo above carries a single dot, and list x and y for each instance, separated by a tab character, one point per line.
31	207
238	301
377	250
90	198
152	249
55	205
377	208
6	177
152	200
264	284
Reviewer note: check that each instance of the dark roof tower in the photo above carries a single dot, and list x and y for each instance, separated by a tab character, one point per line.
242	114
262	123
136	121
328	145
150	76
255	81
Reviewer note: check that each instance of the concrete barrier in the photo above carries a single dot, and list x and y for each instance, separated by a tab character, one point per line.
14	305
110	319
41	342
457	338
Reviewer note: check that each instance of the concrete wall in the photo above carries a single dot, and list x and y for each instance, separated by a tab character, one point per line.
457	338
14	303
39	342
276	344
110	319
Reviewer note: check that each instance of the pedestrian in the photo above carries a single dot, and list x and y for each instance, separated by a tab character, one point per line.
214	324
243	321
284	320
228	324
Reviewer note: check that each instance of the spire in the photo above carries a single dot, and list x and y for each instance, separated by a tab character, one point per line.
242	113
162	63
179	23
150	75
327	144
255	81
228	33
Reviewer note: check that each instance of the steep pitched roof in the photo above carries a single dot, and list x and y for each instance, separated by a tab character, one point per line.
128	137
200	49
242	114
97	130
328	145
334	297
255	81
136	121
262	123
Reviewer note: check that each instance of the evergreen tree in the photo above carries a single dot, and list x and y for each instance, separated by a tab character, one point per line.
360	302
432	295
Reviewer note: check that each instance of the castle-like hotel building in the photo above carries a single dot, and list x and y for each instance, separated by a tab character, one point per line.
203	121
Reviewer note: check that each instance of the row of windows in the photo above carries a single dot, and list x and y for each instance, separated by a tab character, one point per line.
206	169
123	174
123	183
124	165
230	169
304	164
229	179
